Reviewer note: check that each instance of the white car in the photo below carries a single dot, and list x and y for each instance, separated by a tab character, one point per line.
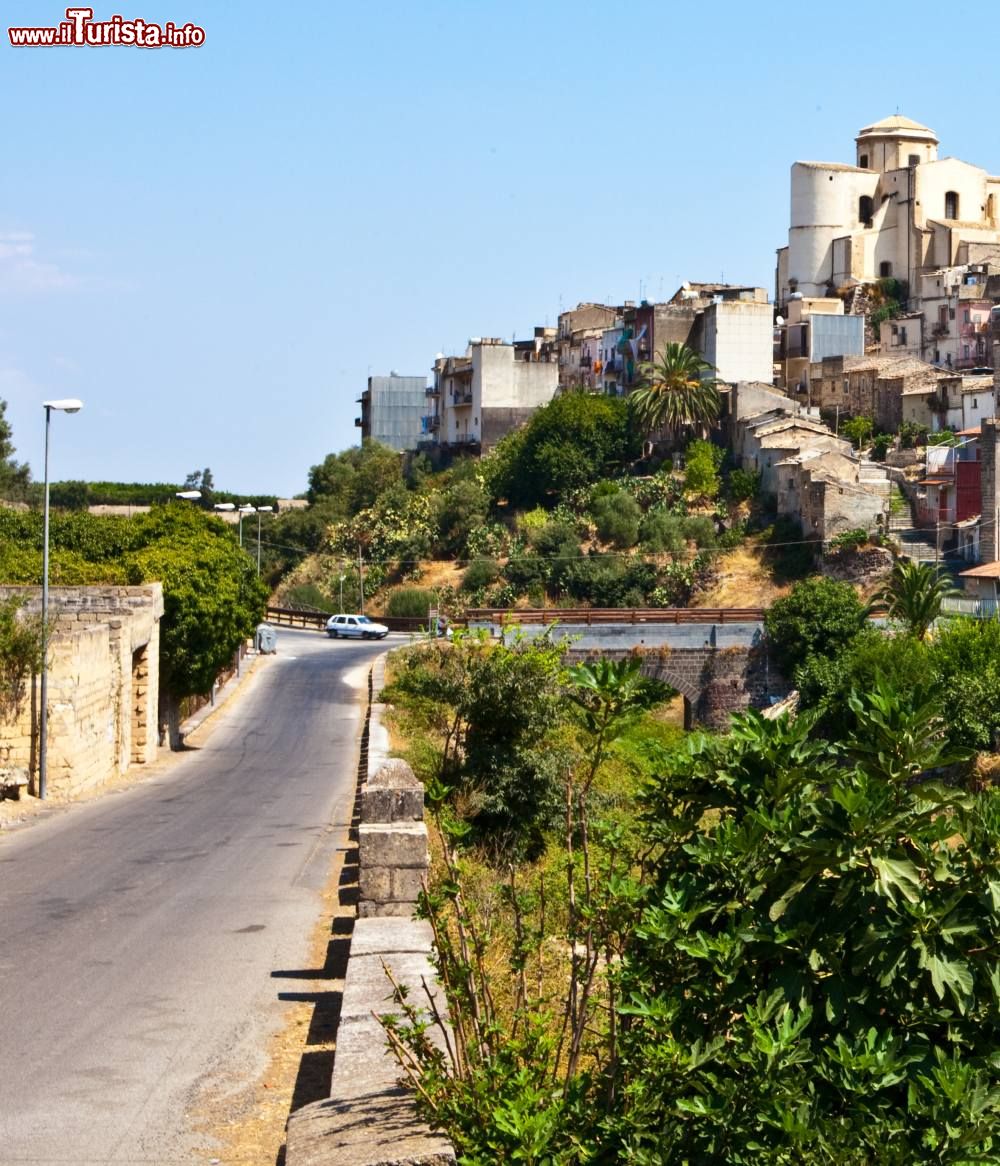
358	627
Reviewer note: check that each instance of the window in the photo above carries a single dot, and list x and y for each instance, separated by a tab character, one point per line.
885	269
965	316
951	204
863	161
975	403
902	336
865	209
914	160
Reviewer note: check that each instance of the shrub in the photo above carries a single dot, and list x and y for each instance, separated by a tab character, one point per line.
819	617
700	529
849	540
617	516
912	433
609	580
881	443
410	602
813	978
702	461
857	430
307	596
480	573
743	485
662	531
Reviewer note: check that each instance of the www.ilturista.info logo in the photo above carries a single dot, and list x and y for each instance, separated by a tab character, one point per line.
81	29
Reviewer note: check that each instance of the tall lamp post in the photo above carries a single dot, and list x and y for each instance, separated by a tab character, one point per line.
69	405
245	509
261	510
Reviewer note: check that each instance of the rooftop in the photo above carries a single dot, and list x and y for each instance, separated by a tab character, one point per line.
898	126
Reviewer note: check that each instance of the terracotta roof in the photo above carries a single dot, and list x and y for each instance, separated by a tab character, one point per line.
986	571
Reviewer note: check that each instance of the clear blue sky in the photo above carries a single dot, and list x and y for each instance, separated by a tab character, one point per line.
214	247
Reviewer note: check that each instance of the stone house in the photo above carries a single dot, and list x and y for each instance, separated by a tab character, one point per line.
103	685
870	386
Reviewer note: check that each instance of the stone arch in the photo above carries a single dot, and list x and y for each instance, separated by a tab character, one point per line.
668	669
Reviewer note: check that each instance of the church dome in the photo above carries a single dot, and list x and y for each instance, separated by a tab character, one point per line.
898	126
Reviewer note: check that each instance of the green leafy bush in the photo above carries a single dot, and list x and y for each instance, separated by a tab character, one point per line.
702	462
743	485
858	430
662	531
849	540
912	433
410	602
700	530
818	618
480	573
616	516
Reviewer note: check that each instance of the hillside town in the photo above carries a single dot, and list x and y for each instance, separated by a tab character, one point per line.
885	307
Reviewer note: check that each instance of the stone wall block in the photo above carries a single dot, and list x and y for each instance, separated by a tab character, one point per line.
381	804
393	844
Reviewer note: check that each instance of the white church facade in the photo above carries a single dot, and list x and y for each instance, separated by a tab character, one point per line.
899	212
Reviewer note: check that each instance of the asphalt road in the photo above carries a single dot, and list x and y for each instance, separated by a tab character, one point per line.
139	931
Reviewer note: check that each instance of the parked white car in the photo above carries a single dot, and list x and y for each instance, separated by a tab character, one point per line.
358	627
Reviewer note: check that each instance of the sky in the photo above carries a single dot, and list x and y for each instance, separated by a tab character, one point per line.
214	247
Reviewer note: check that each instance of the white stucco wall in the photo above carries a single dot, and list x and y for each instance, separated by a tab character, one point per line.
739	340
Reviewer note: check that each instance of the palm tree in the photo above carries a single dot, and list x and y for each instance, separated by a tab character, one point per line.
914	594
674	393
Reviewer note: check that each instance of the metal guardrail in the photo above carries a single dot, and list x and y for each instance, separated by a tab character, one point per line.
611	615
291	617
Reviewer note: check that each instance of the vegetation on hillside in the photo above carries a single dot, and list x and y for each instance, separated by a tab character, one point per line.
769	946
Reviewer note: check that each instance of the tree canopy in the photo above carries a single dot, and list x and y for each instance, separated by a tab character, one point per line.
569	443
212	596
15	477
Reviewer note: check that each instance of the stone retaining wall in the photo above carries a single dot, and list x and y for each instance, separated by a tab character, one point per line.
103	680
369	1119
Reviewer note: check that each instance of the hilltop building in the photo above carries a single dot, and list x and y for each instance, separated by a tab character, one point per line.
391	410
492	389
902	213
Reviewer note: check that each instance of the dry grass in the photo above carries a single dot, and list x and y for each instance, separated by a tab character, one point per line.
743	580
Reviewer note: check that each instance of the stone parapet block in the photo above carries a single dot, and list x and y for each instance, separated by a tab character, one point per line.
392	844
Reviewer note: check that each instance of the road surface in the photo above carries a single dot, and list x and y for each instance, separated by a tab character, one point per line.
139	932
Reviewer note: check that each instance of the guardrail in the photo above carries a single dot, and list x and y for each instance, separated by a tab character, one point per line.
629	615
290	617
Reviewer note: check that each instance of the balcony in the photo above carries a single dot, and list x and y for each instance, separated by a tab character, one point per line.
462	397
432	391
430	423
358	422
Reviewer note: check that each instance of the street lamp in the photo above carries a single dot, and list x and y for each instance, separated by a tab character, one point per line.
69	405
261	510
342	578
245	509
